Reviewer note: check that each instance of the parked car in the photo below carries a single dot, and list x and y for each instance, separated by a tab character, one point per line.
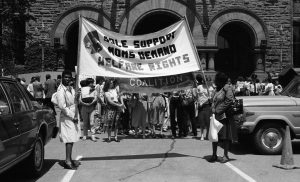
266	118
25	128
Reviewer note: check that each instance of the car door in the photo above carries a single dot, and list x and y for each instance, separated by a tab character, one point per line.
9	144
23	115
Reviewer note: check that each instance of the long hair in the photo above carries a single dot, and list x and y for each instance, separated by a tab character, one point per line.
107	84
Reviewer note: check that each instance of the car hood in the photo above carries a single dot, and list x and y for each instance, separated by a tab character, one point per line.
268	101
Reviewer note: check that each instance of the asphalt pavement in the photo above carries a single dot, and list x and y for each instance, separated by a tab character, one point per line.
158	160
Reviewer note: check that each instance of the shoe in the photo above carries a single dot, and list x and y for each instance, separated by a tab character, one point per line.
108	140
224	159
84	138
213	158
93	138
201	138
117	140
69	166
76	163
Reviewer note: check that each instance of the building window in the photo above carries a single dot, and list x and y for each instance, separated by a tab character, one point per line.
296	45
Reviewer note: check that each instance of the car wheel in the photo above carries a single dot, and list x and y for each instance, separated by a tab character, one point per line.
36	158
268	139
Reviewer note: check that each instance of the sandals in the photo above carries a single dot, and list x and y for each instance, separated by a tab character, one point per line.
69	165
76	163
224	159
93	138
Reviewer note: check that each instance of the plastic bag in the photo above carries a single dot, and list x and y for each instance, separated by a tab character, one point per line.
214	127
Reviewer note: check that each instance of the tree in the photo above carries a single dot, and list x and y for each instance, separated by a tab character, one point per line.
13	35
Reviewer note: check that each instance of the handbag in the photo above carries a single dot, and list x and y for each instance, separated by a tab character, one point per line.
214	128
236	106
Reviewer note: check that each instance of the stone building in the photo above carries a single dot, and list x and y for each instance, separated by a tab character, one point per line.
239	37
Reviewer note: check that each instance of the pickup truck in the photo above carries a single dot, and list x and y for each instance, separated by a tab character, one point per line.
25	127
266	118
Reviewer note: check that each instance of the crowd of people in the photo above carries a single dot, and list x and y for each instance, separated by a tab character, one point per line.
102	107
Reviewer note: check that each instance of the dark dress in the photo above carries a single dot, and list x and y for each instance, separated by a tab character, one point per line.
221	101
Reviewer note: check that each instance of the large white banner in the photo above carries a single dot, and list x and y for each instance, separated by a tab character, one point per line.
106	53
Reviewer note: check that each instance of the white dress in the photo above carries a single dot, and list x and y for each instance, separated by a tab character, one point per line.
69	131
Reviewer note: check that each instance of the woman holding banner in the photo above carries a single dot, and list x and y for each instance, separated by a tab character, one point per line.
113	108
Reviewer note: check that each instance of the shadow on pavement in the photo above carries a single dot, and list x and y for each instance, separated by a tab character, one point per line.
296	146
249	148
208	157
143	156
17	174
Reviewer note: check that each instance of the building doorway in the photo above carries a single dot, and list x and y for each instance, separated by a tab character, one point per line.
154	22
235	55
71	46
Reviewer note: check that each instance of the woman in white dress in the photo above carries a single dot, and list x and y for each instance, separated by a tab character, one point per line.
69	125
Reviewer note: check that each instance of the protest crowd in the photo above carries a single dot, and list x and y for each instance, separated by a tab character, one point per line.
102	107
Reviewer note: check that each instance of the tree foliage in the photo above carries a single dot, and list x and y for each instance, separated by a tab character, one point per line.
33	58
14	15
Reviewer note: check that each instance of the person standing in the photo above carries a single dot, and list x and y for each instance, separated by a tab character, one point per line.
269	88
38	90
157	113
221	101
113	108
49	89
138	110
188	105
87	100
204	106
30	86
58	81
176	115
69	125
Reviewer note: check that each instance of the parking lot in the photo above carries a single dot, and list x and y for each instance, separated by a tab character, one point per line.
136	159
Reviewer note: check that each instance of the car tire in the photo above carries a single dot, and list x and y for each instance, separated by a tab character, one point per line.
35	161
268	138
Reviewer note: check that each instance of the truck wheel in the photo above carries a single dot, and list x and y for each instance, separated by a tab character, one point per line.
35	161
268	139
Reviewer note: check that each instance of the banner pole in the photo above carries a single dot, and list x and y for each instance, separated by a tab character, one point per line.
196	53
77	71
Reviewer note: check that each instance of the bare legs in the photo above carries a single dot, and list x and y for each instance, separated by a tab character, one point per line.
115	132
69	147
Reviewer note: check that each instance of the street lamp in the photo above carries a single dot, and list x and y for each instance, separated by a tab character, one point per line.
281	33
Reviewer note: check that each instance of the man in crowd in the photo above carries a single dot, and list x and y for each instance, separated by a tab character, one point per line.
49	90
38	90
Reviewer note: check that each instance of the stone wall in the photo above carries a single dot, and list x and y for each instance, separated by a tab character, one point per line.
272	13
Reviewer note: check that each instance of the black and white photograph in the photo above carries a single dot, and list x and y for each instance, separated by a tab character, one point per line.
149	90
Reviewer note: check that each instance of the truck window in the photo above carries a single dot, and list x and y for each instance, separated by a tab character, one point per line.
19	102
4	106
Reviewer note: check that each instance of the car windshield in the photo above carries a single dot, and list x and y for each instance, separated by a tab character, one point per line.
293	88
